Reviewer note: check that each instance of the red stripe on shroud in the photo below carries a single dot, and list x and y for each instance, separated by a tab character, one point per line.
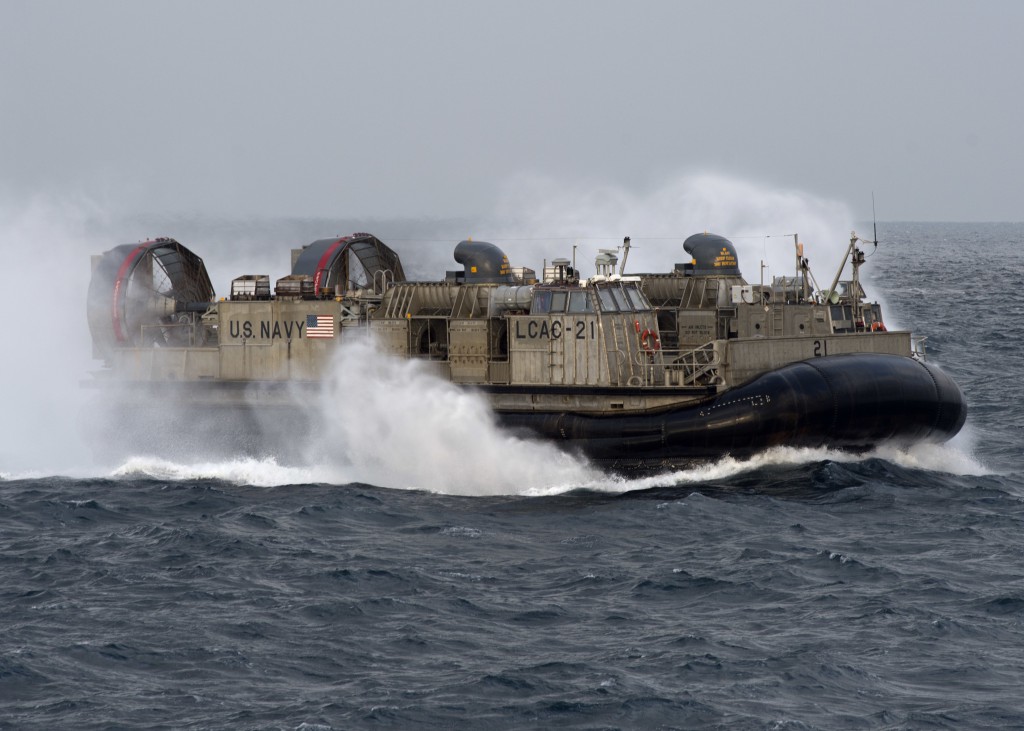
322	264
121	273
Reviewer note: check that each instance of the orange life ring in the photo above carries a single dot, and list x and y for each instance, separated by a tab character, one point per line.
877	326
654	343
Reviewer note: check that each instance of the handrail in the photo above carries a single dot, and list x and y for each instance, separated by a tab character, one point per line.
918	347
693	367
622	359
387	277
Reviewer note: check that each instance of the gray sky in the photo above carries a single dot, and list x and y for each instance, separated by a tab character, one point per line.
449	108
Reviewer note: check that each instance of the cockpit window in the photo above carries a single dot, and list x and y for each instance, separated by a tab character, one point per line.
640	302
620	299
580	302
553	301
607	301
541	301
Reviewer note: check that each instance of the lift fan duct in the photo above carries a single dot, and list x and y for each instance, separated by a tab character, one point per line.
358	261
148	294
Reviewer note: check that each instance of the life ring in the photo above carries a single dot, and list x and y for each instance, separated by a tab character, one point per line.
654	343
877	327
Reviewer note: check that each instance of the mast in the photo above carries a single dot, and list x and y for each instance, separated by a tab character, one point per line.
801	269
856	259
625	255
842	265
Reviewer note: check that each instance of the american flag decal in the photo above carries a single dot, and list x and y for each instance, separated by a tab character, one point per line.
319	326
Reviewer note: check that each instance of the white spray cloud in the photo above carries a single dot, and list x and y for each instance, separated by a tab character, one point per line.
390	422
44	250
758	219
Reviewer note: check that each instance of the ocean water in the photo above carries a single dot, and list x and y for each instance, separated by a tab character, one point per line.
461	579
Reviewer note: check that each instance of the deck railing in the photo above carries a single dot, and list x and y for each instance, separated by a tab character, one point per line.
677	367
918	346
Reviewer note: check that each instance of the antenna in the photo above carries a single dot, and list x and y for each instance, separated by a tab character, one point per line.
874	221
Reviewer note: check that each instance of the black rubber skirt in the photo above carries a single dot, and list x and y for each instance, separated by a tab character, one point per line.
851	402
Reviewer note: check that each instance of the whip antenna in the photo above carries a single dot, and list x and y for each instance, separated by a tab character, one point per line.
874	221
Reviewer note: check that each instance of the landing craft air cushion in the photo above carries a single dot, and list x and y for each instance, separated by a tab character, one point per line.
647	371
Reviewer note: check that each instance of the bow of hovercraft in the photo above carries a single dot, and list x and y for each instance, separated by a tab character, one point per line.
850	402
855	401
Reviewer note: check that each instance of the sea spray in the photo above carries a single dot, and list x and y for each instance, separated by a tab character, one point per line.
388	421
259	472
761	221
44	258
950	458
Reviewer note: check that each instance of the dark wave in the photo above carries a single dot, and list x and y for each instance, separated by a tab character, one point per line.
864	594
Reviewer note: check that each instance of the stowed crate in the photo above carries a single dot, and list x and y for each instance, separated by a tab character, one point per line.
251	287
295	286
524	275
